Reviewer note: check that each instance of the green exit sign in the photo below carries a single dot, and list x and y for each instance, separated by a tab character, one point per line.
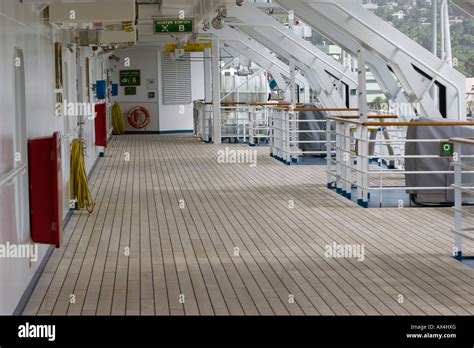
130	78
446	149
173	26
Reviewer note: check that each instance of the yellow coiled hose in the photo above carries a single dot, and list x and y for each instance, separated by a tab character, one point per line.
79	185
118	123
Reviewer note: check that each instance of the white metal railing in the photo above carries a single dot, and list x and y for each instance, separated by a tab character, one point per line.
285	135
292	136
239	122
8	177
370	156
234	122
258	126
460	189
203	120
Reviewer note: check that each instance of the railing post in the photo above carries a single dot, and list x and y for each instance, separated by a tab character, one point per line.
293	136
328	154
338	158
348	161
251	125
359	165
458	201
271	133
365	165
287	137
279	133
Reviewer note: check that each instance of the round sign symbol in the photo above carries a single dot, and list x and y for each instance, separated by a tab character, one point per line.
446	147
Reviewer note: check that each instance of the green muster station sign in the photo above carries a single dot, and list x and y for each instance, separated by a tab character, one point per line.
172	26
130	78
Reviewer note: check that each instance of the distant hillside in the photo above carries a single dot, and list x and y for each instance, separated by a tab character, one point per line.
462	34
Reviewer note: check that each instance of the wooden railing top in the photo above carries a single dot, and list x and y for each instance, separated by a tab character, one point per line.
299	109
372	117
234	103
272	104
320	109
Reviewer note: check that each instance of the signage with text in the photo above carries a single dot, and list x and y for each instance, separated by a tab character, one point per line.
191	47
130	78
173	26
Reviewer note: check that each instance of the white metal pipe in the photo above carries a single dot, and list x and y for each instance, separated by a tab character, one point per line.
12	174
434	27
443	31
207	76
342	72
447	34
362	87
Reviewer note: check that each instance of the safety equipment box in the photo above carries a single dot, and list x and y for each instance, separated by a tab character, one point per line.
45	181
100	122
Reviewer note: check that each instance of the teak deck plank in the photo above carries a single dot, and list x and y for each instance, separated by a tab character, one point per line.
168	221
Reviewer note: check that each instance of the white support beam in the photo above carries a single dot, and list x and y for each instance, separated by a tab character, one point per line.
362	90
348	23
287	44
239	44
292	82
447	34
316	75
216	93
207	76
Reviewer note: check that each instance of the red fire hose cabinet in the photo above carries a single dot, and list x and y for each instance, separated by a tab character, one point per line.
44	163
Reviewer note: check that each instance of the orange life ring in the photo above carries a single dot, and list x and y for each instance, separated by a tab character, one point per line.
138	117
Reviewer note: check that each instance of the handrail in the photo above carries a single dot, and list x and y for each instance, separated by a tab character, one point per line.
375	117
234	103
282	104
12	174
403	124
350	117
398	47
469	141
320	109
419	124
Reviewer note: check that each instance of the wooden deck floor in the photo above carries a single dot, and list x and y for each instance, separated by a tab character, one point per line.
181	215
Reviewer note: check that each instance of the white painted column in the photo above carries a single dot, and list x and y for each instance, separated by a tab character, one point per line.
292	82
363	148
441	15
292	126
434	27
206	121
458	202
216	93
362	92
447	36
434	40
79	82
207	75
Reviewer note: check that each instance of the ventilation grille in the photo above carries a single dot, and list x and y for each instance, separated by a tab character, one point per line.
176	76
